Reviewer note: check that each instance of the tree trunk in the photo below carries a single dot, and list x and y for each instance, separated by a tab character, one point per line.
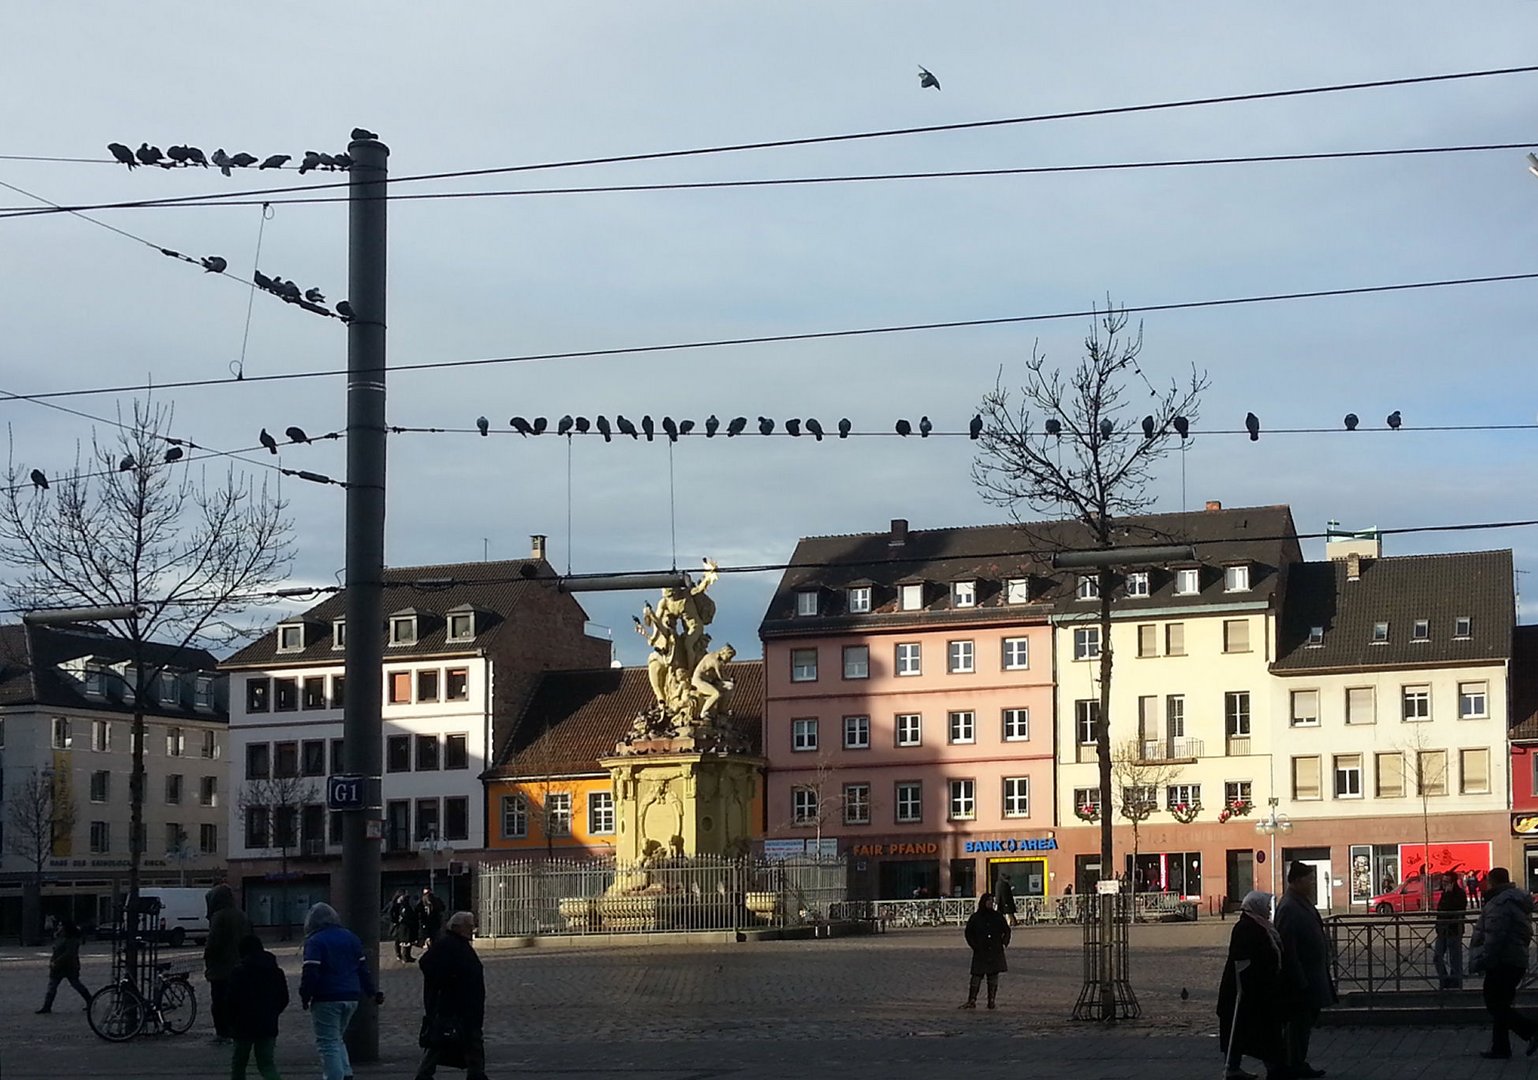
136	742
1103	753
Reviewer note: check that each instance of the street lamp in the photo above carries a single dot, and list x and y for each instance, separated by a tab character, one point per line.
432	847
182	854
1270	825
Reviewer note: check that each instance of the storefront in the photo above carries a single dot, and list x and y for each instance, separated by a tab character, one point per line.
1524	831
952	866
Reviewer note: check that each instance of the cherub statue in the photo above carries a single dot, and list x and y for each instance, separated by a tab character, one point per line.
695	610
710	681
659	635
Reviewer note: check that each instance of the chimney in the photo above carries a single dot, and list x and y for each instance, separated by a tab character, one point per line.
1353	566
899	533
537	546
1213	506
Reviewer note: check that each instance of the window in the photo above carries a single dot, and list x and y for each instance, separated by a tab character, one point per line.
208	791
101	838
403	630
806	602
285	695
285	760
1389	768
803	665
963	801
1175	639
312	757
1348	776
456	818
174	789
1305	708
1148	640
913	597
427	685
175	837
176	742
1473	701
803	806
397	825
1188	582
1305	778
803	734
963	727
1086	798
101	736
1088	587
1315	637
400	688
1236	578
1140	797
313	692
856	661
258	826
1463	627
1420	630
258	761
1017	590
291	637
856	733
170	689
101	785
1361	705
336	756
1417	704
462	626
1017	796
1017	725
1431	771
600	813
1086	720
1236	713
1474	772
909	729
959	657
210	747
428	825
456	684
208	839
1380	633
339	634
456	751
1237	791
859	600
963	594
61	734
515	817
92	679
1017	654
1086	643
856	804
1175	716
1137	584
1182	795
908	662
398	753
1236	635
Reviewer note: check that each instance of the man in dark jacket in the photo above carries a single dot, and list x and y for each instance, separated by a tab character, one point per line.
258	993
453	998
64	964
1447	952
1498	947
1306	960
227	924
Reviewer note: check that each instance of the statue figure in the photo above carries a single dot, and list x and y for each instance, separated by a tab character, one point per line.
710	681
695	610
687	680
660	637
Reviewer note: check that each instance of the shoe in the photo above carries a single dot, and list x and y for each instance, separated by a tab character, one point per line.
43	1012
1495	1055
968	1005
991	1005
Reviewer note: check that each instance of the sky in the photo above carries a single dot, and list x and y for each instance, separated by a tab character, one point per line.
476	85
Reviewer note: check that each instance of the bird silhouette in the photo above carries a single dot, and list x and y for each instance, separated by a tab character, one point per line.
39	481
196	156
793	428
927	79
342	161
268	441
222	160
127	464
344	309
314	296
521	426
123	154
1252	422
363	133
648	427
583	425
326	160
541	425
685	426
625	426
712	425
1055	427
1394	419
275	161
484	425
214	264
844	428
1185	995
903	428
1352	420
925	427
243	160
264	282
1148	427
765	426
565	425
669	426
147	154
814	427
1106	429
288	290
1182	426
310	162
296	435
737	426
173	454
604	429
177	154
976	429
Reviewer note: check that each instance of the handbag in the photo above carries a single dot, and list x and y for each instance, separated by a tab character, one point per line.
440	1032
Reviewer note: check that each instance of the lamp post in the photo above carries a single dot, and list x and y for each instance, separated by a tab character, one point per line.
182	854
1270	825
432	847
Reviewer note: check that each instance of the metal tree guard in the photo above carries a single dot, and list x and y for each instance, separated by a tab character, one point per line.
1106	930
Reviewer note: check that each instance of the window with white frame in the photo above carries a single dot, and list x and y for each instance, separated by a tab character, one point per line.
1316	637
1473	701
101	736
61	736
1139	797
803	734
1474	771
908	658
1089	587
557	813
806	602
960	657
1236	578
1017	654
515	817
1348	776
803	665
856	804
1017	796
1086	720
403	630
1086	643
600	813
1175	639
1361	705
170	688
1305	778
1236	635
93	681
176	742
339	634
856	661
963	727
1188	582
461	626
859	600
803	806
291	637
912	596
1017	725
1463	627
1017	591
1086	798
910	729
963	594
1305	708
1389	766
1175	716
1417	704
1148	640
856	733
1137	584
909	801
1236	713
1420	630
963	801
1238	791
1380	633
1177	795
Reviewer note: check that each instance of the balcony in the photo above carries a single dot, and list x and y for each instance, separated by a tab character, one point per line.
1085	754
1238	745
1170	750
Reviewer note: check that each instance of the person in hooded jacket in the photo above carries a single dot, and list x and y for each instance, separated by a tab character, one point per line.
987	933
227	924
64	964
336	977
1252	996
1498	947
258	994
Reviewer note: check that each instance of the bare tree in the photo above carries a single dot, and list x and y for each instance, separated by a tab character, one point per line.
277	804
1138	782
830	798
1428	768
40	819
126	527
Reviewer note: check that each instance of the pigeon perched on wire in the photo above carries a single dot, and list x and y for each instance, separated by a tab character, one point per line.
1055	427
765	426
127	464
541	425
625	426
196	157
565	425
326	160
264	282
712	425
844	428
685	426
222	160
1252	424
648	427
310	162
290	292
1182	426
147	154
268	441
123	154
243	160
275	161
173	454
737	426
815	428
344	309
214	264
39	481
925	427
177	154
1107	429
1352	420
903	428
793	428
1148	427
521	426
583	425
296	435
342	161
484	425
604	429
975	430
315	296
927	79
363	133
671	427
1394	419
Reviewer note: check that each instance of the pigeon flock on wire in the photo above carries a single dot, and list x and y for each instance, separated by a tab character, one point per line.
183	157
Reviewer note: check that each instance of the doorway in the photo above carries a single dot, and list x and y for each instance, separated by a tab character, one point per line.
1531	854
1027	877
1319	859
1086	872
908	880
1240	865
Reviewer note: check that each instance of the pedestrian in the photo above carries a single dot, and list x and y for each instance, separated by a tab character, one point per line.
1447	952
1250	1005
336	977
430	917
1498	947
1306	964
988	934
1005	891
405	924
64	964
453	1002
258	995
227	924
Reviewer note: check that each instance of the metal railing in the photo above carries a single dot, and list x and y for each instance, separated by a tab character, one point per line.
1390	954
602	896
1029	910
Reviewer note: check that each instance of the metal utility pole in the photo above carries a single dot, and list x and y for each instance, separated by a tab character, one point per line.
361	716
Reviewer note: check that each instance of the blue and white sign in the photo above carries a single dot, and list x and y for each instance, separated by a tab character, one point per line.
787	849
1011	846
345	792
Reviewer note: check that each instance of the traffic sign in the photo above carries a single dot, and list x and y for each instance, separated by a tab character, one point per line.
345	791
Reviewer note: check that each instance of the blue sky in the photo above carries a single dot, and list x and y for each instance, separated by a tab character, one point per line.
479	84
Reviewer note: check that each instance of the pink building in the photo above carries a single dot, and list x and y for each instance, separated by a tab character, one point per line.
908	709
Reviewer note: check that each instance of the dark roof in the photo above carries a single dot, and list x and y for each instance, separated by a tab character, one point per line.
991	555
1524	682
1398	590
574	718
30	672
493	589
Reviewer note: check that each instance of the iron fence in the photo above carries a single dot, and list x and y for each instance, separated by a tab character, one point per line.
1381	954
1029	910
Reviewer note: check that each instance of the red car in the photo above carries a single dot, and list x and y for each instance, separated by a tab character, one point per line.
1409	896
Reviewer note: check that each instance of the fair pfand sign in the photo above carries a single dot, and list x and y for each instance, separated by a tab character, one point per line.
930	848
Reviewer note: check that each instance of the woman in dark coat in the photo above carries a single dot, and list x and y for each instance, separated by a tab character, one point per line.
988	933
1251	995
430	915
405	921
1006	895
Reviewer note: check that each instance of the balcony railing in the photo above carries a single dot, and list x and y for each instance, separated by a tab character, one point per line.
1172	749
1238	745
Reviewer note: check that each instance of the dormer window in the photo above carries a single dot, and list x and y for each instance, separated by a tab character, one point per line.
170	689
1089	587
1017	590
203	693
93	684
462	625
963	594
806	602
1236	578
403	628
1380	633
339	634
1463	626
1421	631
913	597
1315	637
291	637
1188	582
1137	583
859	600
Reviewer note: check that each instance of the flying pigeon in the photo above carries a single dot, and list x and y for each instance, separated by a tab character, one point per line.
276	161
344	309
147	154
976	429
1106	429
265	282
311	162
685	426
844	427
712	425
1252	422
565	425
177	154
583	425
315	296
214	264
1148	427
363	133
671	428
925	427
625	426
484	424
39	481
648	427
1055	427
296	435
927	79
127	464
1394	420
342	161
243	160
904	428
123	154
765	426
173	454
1182	426
1352	420
604	429
521	426
736	427
815	428
222	160
195	157
541	425
793	428
268	441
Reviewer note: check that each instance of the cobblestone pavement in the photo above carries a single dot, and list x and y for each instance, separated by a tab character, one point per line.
883	1006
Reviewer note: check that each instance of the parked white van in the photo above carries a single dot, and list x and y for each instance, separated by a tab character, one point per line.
183	914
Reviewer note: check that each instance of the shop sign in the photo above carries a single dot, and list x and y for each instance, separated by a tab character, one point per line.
1013	844
897	849
1524	824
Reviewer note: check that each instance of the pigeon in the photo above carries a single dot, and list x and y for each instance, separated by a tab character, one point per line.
685	426
195	157
927	79
326	160
243	160
214	264
265	282
363	133
290	292
648	427
147	154
904	428
344	309
541	425
222	160
1185	995
669	426
342	161
844	428
625	426
1106	429
268	441
123	154
296	435
765	426
1394	419
1055	428
1148	427
315	296
1252	422
484	425
1182	426
815	428
604	429
127	464
276	161
521	426
736	427
583	425
565	425
311	162
173	454
39	481
925	427
976	429
712	425
177	154
793	428
1352	420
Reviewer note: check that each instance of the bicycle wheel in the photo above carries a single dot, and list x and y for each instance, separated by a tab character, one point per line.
116	1013
178	1004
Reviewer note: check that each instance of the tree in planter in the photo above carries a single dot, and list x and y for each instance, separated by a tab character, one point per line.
1138	783
830	799
271	810
40	819
1427	768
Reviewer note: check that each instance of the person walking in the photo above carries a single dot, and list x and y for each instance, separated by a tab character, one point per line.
1498	947
1447	951
430	917
1250	1010
1006	894
336	977
988	934
1306	962
405	924
64	964
258	994
453	1002
227	924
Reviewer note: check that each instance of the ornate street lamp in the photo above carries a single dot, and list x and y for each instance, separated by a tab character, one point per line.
1270	825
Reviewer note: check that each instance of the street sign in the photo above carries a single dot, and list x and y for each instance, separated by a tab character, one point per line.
345	792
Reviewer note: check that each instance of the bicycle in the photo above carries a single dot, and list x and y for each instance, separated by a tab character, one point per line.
119	1011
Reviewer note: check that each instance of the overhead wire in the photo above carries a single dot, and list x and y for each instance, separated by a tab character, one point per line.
834	436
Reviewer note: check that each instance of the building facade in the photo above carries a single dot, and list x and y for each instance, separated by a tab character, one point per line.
1524	755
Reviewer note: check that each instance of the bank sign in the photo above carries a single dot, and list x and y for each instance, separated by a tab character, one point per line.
978	847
